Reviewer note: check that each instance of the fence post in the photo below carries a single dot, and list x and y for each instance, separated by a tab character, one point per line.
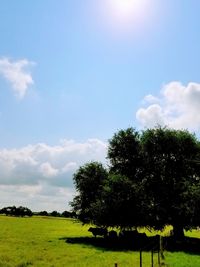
161	247
152	258
158	258
140	258
116	265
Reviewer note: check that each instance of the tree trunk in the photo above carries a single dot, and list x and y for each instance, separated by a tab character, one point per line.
178	232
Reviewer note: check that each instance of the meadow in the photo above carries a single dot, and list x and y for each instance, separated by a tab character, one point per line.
41	241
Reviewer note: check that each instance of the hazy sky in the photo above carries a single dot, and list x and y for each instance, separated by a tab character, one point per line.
73	72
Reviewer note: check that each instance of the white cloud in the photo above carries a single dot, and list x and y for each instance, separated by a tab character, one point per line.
40	176
38	197
17	74
178	107
150	99
150	116
47	170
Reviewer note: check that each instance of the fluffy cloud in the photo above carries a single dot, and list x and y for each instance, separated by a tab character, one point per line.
177	107
47	170
38	197
17	74
40	176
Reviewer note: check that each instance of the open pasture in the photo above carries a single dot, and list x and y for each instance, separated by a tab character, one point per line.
41	241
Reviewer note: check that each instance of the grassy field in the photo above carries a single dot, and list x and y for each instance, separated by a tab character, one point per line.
41	241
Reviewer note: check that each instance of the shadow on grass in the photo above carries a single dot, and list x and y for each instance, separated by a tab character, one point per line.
116	244
188	244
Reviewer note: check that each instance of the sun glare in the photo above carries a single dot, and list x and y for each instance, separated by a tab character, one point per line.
125	6
125	15
127	9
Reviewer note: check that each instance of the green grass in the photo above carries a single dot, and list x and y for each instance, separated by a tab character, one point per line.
40	241
181	259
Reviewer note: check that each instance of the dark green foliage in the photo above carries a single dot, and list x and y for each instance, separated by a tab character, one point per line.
68	214
89	180
42	213
14	211
124	153
153	180
120	204
55	214
171	173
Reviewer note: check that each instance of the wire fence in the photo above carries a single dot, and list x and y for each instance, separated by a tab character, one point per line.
156	255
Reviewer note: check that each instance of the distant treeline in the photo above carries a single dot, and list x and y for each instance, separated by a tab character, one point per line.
16	211
66	214
24	211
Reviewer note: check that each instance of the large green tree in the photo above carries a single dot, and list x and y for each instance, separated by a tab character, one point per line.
152	180
171	176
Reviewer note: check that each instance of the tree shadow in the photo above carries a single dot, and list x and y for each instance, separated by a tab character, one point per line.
187	244
116	244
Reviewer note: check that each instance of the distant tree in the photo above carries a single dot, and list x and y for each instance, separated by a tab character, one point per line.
55	214
14	211
6	211
68	214
28	212
88	180
43	213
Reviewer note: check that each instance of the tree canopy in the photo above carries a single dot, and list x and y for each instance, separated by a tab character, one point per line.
152	180
171	173
16	211
89	180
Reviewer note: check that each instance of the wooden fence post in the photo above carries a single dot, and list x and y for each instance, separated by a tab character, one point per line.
152	258
116	265
158	258
161	248
140	258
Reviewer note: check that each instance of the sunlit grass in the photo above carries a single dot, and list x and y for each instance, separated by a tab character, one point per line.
40	241
181	259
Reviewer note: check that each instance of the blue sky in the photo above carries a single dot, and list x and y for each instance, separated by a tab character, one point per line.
73	72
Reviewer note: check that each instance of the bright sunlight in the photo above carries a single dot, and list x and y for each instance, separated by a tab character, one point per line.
127	9
123	15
